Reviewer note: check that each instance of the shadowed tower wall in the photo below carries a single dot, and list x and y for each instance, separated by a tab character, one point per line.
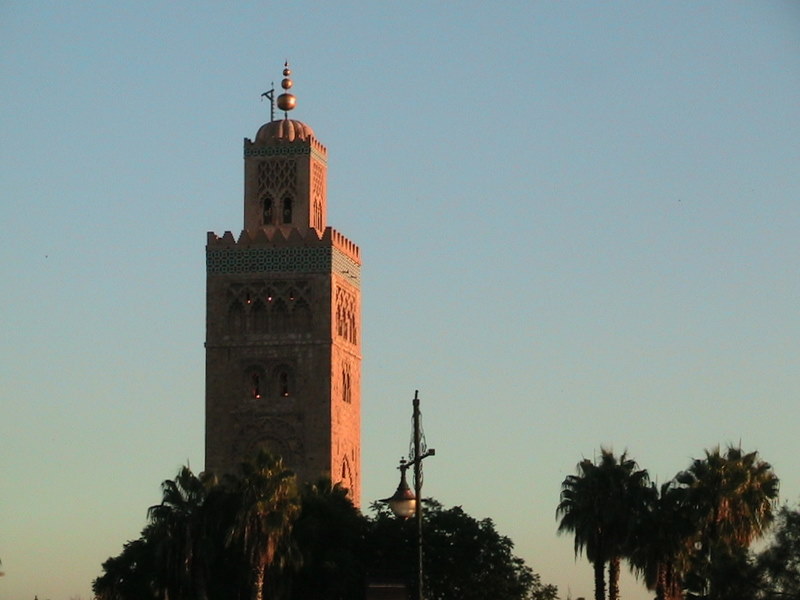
283	320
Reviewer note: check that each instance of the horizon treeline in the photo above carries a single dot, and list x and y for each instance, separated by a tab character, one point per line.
260	535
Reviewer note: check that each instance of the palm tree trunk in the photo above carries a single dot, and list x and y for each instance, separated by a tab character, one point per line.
599	580
200	585
257	589
672	585
661	582
613	578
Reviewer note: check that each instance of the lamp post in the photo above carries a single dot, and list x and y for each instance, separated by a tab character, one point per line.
405	503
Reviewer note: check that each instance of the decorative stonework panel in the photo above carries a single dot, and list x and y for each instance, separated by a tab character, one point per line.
346	316
280	434
270	307
346	475
277	178
317	195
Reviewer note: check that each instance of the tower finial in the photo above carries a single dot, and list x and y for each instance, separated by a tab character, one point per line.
286	101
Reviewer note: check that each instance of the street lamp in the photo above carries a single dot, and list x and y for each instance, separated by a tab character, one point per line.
405	503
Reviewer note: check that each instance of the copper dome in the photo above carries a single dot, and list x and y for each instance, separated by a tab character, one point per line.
284	129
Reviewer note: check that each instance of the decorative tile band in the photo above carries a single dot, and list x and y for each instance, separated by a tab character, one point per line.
282	260
347	267
284	150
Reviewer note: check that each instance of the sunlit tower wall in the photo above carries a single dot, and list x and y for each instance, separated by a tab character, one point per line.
283	319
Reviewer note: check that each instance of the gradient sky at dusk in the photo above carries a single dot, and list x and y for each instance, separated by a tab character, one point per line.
579	225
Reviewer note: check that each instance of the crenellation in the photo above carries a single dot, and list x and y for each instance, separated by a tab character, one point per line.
278	236
343	244
318	146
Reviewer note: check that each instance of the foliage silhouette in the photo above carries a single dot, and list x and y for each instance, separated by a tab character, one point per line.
688	539
598	506
254	536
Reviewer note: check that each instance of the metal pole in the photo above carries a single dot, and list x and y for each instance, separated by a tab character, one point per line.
418	492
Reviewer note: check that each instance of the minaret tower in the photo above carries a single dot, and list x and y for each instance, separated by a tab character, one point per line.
283	317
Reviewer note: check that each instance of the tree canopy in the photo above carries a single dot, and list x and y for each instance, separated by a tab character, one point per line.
778	565
258	536
463	558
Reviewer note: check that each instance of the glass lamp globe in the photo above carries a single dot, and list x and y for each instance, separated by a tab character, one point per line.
403	503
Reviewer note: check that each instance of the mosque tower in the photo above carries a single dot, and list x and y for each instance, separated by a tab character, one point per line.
283	317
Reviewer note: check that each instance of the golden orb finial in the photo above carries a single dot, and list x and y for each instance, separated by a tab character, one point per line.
286	101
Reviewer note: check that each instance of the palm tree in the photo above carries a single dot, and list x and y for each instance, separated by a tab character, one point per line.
732	496
581	509
627	489
596	506
663	540
269	506
177	529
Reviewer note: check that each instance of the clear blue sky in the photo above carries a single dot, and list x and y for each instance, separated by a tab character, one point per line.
579	225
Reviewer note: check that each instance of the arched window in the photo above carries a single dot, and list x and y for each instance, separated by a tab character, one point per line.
287	211
267	217
255	385
283	384
283	381
318	214
254	382
340	320
279	317
236	318
301	315
353	330
347	395
347	473
260	317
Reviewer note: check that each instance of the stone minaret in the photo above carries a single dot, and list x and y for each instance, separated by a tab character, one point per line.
283	318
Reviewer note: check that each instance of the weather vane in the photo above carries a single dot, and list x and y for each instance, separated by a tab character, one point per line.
270	95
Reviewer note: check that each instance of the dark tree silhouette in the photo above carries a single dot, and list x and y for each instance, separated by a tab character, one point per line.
598	506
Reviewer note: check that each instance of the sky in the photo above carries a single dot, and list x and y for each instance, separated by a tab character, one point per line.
578	224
